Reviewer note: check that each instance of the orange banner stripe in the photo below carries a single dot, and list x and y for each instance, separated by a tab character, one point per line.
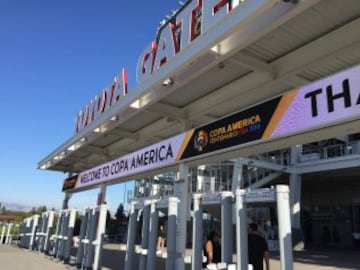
184	143
284	104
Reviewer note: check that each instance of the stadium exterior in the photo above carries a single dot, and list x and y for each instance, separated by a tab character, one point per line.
234	95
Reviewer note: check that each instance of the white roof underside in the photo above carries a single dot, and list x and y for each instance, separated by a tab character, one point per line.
316	40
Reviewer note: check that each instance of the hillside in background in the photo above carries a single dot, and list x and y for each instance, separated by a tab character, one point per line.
16	207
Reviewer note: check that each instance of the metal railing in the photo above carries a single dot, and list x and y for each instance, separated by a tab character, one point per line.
218	177
330	151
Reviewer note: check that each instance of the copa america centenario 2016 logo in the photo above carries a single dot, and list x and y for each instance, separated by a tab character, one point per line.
201	140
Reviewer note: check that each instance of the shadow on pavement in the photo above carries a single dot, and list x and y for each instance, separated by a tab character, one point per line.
332	258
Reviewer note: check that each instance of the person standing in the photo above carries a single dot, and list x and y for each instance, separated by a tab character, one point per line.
161	239
257	249
212	248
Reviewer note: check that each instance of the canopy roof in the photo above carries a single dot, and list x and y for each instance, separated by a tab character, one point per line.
278	48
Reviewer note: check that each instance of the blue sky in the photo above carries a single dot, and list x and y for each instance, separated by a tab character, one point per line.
55	55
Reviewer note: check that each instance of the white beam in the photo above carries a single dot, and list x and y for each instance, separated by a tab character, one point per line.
167	110
321	48
252	63
264	164
295	81
221	96
258	65
350	161
265	180
91	149
288	66
125	134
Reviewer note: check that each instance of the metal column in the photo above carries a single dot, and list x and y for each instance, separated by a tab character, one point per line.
226	227
197	233
295	189
102	194
171	233
237	182
153	232
285	242
65	204
130	252
237	178
295	197
145	235
181	191
241	231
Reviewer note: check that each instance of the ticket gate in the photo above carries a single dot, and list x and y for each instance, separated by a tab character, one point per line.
224	200
91	238
2	235
23	231
242	199
130	244
150	208
28	235
278	195
6	236
64	234
44	230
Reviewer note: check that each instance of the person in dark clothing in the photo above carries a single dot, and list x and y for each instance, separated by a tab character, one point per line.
212	248
161	239
257	249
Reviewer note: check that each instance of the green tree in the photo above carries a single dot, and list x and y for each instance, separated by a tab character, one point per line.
110	224
120	214
42	209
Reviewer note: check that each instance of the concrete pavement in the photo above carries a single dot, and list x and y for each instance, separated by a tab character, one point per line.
14	258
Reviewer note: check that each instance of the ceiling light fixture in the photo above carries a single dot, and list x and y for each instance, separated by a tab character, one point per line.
72	147
216	49
114	118
46	165
168	82
135	104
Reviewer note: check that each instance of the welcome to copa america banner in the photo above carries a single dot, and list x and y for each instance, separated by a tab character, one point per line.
335	98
